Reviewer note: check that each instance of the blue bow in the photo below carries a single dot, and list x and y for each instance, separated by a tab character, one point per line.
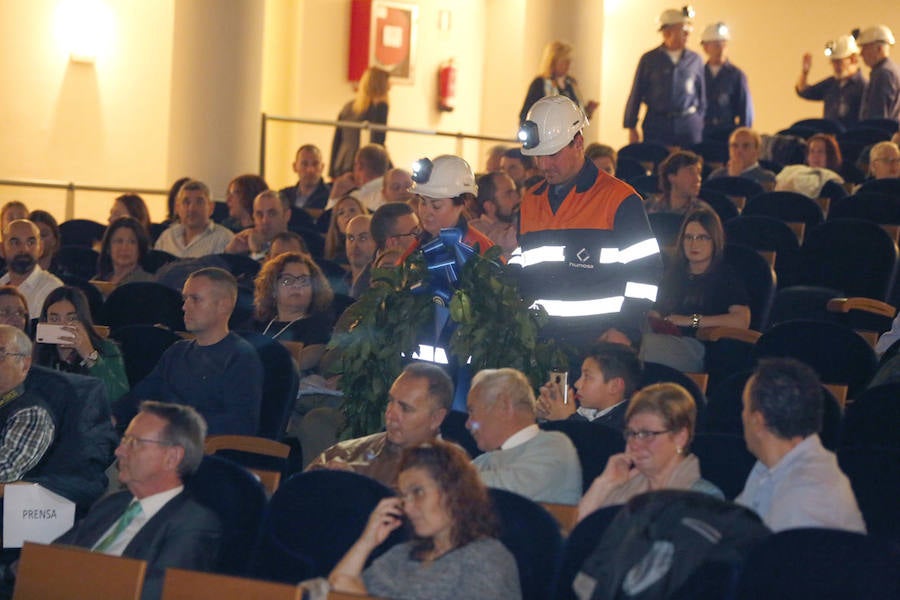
445	256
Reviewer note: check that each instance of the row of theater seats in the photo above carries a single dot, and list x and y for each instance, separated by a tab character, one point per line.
314	518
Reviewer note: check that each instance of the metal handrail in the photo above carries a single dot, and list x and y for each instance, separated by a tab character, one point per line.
71	187
459	135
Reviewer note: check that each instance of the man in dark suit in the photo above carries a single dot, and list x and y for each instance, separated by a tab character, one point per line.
155	520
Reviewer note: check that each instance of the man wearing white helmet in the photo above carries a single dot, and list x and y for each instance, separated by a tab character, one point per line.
670	81
586	249
881	100
728	101
841	92
442	187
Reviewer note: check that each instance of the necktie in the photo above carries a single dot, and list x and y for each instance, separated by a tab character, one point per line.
133	510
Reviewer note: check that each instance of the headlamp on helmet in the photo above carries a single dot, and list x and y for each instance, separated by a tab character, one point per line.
688	11
421	170
529	135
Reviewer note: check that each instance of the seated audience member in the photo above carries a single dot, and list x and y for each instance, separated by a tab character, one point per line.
396	186
155	519
660	426
22	249
293	303
610	374
360	252
499	201
13	308
698	290
195	234
519	457
50	238
172	214
131	205
239	196
287	241
884	161
453	553
370	166
604	157
795	482
494	154
520	168
12	211
83	351
217	372
418	401
335	240
28	427
818	177
395	228
124	246
271	215
679	180
743	159
310	192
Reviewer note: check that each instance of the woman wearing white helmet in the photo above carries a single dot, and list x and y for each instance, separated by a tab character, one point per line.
442	187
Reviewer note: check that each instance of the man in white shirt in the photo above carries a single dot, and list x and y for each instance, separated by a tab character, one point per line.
22	250
195	234
795	482
518	456
155	519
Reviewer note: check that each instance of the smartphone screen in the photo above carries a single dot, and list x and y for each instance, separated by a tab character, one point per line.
49	333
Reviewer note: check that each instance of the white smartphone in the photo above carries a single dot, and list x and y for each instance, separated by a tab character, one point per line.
50	333
562	379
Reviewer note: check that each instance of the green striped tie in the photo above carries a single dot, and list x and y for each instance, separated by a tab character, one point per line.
133	510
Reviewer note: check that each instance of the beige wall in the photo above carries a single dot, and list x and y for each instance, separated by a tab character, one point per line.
110	123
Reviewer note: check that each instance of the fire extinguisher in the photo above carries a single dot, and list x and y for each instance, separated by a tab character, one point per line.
447	86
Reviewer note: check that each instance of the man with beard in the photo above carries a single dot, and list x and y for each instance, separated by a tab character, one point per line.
22	249
499	201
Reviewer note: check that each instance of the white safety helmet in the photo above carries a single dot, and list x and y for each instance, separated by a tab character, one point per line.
677	16
878	33
843	47
716	32
445	177
550	125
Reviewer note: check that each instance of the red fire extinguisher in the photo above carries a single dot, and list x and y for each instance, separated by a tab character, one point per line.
447	86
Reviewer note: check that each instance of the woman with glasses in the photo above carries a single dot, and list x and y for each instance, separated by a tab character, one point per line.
453	551
293	303
659	428
82	351
697	290
13	308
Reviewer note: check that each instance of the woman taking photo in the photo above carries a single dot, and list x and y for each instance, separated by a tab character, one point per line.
370	104
659	428
453	552
124	246
554	79
697	290
293	304
82	350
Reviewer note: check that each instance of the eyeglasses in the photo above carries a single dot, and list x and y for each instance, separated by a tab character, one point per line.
642	435
303	281
414	233
130	441
6	313
4	354
700	237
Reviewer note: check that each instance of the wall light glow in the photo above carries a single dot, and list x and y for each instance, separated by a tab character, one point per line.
84	29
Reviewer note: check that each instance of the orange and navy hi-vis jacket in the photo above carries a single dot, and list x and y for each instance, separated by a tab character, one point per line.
593	259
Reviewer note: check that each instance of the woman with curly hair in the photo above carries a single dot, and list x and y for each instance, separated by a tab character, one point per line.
453	552
293	303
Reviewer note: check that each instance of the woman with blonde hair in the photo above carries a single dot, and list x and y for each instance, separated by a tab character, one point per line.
554	79
370	104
